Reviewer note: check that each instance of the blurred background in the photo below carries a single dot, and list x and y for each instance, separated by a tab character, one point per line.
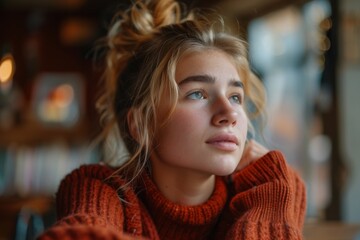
307	53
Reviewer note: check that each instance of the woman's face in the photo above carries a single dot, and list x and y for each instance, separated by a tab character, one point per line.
207	131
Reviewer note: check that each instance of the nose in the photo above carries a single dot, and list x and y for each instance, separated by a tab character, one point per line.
224	113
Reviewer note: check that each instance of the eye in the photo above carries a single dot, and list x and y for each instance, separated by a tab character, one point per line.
197	95
236	99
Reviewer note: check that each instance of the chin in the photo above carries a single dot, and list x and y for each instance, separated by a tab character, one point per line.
225	171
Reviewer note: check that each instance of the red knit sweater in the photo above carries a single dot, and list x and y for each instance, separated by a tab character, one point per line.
266	200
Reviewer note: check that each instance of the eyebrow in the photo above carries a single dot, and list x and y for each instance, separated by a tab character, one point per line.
209	79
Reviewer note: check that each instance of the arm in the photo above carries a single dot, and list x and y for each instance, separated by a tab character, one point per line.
90	208
269	202
84	232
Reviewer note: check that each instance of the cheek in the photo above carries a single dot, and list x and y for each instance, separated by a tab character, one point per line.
243	124
185	127
184	123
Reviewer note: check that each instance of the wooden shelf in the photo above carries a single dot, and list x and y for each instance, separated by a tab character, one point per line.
34	133
246	10
13	204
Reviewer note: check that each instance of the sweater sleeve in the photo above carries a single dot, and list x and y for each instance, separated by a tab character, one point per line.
269	202
89	207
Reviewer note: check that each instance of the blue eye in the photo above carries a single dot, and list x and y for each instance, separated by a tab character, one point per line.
236	99
196	95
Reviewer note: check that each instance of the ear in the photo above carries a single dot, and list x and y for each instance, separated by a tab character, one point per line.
133	129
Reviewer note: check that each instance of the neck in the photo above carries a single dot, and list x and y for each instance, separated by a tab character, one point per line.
180	185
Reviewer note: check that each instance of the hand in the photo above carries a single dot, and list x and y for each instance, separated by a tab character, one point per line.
252	152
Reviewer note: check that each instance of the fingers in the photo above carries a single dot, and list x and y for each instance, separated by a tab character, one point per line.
252	152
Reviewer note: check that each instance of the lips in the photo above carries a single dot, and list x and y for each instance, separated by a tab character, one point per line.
225	142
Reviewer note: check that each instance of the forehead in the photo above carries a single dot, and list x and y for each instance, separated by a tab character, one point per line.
207	62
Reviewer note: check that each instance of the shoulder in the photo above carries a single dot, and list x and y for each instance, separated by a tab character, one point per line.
92	170
92	185
93	197
99	173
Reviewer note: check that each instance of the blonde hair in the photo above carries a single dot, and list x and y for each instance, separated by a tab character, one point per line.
144	45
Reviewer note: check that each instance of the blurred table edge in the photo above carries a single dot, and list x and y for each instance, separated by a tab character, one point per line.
331	231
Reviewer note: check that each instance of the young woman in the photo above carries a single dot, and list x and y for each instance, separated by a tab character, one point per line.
175	97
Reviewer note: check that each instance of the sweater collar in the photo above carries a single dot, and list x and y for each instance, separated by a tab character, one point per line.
175	221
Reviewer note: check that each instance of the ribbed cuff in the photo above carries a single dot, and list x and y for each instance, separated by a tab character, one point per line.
270	167
271	201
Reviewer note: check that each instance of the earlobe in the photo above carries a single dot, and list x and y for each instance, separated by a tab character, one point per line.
133	129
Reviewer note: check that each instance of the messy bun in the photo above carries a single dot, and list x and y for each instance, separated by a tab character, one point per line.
128	31
135	26
144	45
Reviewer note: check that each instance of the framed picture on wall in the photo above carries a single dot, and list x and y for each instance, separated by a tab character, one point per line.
58	99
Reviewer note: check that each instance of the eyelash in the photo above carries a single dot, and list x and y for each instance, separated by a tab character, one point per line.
191	96
239	98
196	92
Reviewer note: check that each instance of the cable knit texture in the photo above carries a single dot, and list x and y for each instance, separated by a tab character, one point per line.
266	200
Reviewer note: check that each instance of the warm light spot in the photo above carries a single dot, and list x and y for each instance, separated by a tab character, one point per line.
75	31
7	68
